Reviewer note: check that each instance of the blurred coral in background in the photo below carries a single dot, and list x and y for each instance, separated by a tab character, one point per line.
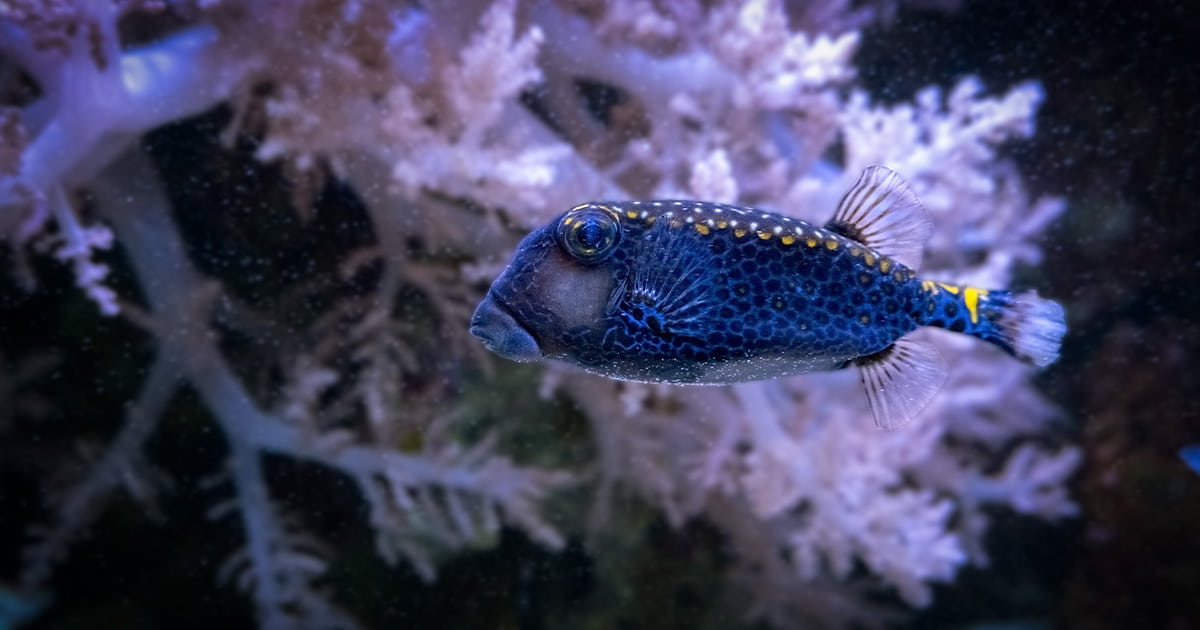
443	133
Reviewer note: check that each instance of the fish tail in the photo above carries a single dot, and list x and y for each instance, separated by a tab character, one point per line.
1025	325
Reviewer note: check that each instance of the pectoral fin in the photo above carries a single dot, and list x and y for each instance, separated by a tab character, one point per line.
900	380
670	292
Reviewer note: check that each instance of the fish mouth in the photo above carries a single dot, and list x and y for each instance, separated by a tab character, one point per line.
494	325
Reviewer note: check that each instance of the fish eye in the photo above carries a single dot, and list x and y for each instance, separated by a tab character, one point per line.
589	233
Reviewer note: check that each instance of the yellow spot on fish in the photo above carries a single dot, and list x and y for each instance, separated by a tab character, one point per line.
831	244
869	259
632	214
721	225
764	235
568	220
898	275
864	319
788	240
650	220
884	265
928	286
971	297
812	242
739	232
864	279
703	229
856	251
949	287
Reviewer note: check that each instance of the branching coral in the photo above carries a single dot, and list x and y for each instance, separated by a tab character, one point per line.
462	127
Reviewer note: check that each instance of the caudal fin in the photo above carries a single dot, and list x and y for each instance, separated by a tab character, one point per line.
1029	327
1032	327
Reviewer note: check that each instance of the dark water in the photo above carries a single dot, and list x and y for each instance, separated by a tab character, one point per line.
1116	136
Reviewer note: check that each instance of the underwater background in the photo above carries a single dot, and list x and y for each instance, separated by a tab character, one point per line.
243	240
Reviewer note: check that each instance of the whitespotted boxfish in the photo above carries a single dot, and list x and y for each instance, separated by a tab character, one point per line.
705	293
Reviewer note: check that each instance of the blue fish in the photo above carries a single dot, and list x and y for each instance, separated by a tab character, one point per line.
1191	456
691	292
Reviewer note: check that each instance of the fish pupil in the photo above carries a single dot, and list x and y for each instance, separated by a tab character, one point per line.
591	235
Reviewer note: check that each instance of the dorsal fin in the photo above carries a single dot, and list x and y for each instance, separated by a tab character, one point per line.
882	212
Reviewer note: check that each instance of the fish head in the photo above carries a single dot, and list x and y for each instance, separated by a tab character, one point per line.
559	283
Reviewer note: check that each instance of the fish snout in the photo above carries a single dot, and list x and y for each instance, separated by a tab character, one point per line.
500	332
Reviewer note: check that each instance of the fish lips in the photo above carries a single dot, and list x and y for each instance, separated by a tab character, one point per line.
500	332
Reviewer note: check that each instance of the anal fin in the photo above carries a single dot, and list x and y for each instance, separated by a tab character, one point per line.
900	380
